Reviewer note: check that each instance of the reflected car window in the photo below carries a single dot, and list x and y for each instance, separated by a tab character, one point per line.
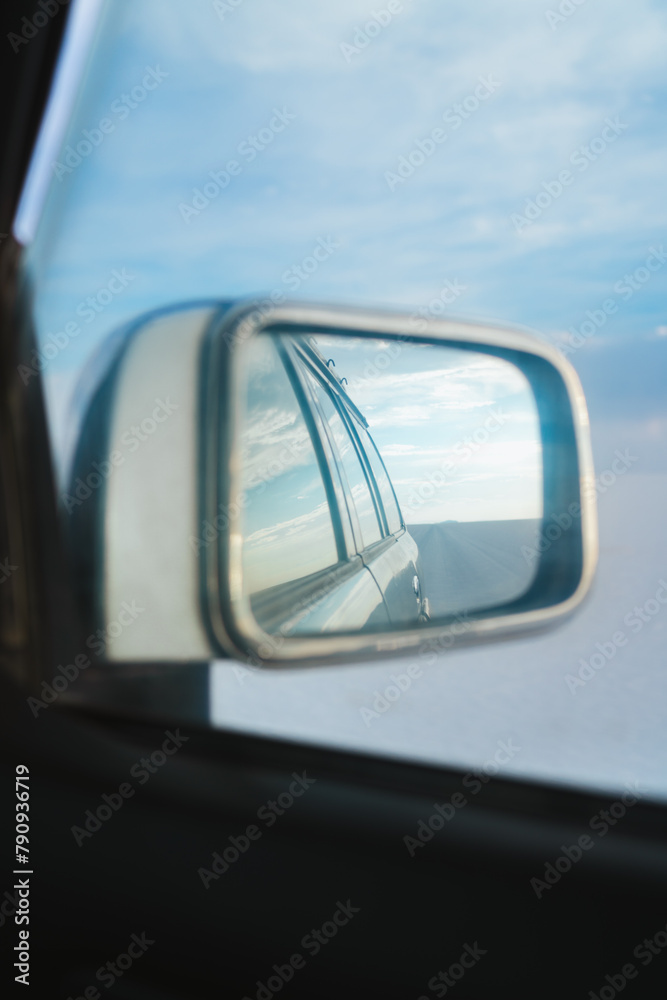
351	466
389	501
286	527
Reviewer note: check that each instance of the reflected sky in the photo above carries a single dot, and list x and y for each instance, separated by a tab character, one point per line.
285	525
300	141
458	430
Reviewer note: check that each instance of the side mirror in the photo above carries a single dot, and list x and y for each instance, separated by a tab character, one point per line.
302	484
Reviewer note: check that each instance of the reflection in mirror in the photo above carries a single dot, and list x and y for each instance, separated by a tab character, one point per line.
386	483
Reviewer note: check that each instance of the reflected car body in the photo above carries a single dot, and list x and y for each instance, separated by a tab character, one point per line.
324	544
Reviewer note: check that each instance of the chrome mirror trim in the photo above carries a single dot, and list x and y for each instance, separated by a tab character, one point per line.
242	637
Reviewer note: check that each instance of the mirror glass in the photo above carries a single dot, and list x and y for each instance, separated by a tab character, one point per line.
382	483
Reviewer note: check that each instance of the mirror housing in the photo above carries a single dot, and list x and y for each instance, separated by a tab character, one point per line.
155	543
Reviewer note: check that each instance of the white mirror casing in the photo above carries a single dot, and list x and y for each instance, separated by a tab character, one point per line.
386	544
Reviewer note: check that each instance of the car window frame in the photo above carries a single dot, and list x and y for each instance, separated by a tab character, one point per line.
347	512
320	453
363	461
349	421
376	450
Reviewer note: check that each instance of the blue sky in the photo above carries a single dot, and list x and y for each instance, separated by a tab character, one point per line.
324	176
458	430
